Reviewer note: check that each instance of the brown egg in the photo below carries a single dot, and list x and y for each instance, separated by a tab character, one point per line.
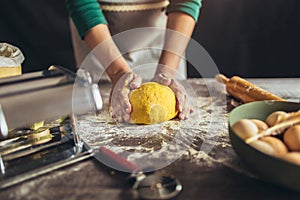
273	118
261	125
293	157
263	147
245	128
279	147
291	138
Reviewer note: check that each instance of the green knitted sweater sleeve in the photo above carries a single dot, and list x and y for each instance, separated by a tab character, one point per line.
87	13
190	7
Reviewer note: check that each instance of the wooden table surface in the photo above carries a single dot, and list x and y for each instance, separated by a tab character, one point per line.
213	175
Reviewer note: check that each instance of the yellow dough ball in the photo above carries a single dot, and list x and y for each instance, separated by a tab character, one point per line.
152	103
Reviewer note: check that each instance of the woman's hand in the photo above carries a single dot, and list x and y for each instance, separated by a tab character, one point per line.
120	106
180	93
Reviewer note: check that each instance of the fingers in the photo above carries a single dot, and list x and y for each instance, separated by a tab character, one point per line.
126	79
120	104
183	114
182	104
136	82
181	96
124	99
119	109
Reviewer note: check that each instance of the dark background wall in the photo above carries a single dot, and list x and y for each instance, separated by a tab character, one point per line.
248	38
256	38
40	29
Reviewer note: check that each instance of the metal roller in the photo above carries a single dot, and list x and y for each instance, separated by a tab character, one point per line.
45	95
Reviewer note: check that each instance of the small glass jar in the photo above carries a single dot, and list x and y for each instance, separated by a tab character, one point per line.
11	59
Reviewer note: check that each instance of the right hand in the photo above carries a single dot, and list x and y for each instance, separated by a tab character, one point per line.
181	96
120	106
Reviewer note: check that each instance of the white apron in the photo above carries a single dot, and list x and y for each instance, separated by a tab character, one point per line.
148	13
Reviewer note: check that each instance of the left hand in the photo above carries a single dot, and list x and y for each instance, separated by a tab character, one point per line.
180	93
120	106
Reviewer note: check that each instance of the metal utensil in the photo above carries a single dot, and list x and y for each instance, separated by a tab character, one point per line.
158	187
153	186
45	95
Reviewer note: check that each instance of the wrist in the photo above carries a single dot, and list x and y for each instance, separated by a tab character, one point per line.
166	70
117	75
117	69
168	63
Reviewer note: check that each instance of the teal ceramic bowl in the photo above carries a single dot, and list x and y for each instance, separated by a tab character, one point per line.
268	168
